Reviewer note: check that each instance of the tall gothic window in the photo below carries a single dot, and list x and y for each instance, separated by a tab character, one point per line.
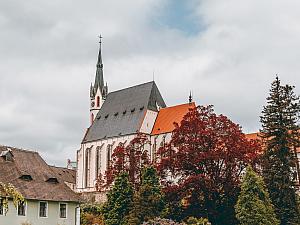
87	166
98	161
98	101
108	156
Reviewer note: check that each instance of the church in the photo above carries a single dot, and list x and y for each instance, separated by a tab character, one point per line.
117	117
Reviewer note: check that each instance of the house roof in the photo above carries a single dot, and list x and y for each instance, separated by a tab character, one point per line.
123	111
65	174
30	164
166	118
256	136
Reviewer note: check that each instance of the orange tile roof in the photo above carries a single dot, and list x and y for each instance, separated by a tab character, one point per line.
168	116
255	136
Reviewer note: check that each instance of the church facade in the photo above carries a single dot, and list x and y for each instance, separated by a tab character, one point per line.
117	117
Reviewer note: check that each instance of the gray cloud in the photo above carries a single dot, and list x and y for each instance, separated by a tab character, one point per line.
48	53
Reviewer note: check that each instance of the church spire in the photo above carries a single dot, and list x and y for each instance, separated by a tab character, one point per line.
99	81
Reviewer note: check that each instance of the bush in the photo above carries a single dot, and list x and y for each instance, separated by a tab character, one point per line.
159	221
195	221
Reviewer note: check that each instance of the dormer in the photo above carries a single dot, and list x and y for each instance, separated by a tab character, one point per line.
7	155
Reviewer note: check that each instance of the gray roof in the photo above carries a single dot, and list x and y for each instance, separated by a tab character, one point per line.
123	111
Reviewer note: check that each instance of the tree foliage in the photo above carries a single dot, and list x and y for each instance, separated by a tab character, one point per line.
131	158
204	160
148	201
9	191
280	131
254	206
119	201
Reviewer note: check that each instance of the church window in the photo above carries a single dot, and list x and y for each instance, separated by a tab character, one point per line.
98	161
87	167
98	101
108	155
92	118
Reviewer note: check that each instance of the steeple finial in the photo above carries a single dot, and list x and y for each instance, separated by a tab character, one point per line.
190	97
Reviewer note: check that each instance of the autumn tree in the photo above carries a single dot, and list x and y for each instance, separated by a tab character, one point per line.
280	132
254	206
148	201
201	166
119	201
8	191
131	158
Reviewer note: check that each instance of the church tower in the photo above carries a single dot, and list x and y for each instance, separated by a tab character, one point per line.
98	90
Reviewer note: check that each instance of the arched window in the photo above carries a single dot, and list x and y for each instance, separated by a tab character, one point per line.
108	155
87	166
98	101
98	161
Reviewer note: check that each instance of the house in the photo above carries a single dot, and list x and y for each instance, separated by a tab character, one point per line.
116	118
48	199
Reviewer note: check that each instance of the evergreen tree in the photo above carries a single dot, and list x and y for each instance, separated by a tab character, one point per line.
148	201
254	206
119	201
280	134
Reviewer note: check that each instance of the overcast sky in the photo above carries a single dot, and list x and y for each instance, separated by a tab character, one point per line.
226	51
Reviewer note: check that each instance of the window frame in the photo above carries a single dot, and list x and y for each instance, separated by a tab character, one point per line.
39	211
59	210
25	209
1	207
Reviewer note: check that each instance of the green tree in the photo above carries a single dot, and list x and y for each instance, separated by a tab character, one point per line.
280	134
119	201
148	201
254	206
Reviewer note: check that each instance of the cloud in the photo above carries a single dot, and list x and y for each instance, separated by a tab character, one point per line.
226	52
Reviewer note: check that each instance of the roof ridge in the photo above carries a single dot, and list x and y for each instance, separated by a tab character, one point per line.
20	149
173	106
132	87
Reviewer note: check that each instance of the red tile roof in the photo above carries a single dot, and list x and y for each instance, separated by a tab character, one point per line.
168	116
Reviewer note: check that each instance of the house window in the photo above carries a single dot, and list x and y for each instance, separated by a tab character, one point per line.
1	206
62	210
43	209
22	209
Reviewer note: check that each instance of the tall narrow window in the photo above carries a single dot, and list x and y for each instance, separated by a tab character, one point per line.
98	101
22	209
1	206
87	166
98	161
43	209
92	118
108	156
63	210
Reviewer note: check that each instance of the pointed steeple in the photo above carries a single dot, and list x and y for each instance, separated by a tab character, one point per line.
190	97
99	81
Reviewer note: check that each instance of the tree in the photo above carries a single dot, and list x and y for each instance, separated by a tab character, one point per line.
131	159
9	191
254	206
119	201
204	159
280	133
148	201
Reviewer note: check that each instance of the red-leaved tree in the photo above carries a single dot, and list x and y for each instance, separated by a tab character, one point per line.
129	158
202	165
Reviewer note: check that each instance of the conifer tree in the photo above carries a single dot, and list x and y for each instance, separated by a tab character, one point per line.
281	136
148	201
119	201
254	206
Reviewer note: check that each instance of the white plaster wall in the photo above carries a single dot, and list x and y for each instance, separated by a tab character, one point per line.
94	110
32	214
80	182
148	122
157	141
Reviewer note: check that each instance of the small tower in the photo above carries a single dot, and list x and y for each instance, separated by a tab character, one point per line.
98	91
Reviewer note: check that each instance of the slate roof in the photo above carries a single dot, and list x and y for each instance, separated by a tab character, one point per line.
166	118
123	111
27	163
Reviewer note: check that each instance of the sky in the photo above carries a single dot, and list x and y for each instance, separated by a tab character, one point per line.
227	52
